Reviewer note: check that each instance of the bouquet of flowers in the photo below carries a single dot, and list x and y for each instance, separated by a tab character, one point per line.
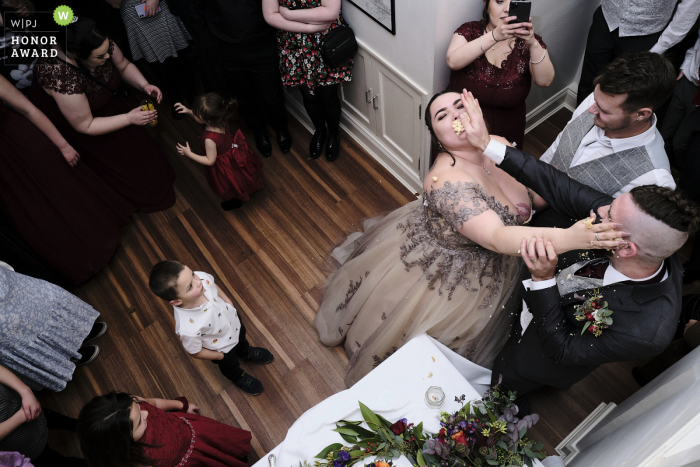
595	312
483	433
383	439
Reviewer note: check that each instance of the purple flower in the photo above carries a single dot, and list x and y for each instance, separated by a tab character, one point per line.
463	424
344	455
405	420
338	463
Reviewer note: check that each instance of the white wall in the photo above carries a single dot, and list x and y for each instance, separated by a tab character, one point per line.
411	50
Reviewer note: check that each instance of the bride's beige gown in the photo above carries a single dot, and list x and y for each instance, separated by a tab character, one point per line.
413	272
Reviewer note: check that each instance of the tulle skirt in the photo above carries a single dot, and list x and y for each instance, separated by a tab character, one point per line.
375	303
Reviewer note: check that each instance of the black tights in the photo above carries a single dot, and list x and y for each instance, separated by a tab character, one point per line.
323	106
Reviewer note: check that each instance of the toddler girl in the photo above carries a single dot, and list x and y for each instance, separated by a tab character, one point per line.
234	172
117	429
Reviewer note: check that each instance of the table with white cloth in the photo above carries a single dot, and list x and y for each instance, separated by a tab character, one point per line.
395	389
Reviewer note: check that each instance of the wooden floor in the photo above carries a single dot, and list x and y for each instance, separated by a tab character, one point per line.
271	258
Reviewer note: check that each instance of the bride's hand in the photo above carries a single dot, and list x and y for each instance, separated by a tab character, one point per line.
473	121
600	236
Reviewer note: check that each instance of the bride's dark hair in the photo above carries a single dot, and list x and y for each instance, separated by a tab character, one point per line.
429	124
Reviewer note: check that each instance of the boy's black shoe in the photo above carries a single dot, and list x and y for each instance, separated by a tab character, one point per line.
249	384
98	330
262	142
258	355
87	354
284	140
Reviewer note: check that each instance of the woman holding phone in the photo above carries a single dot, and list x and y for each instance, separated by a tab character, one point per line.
497	61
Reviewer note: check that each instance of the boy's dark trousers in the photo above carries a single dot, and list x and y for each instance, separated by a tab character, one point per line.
230	365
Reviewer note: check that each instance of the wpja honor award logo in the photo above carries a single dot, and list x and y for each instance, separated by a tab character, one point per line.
34	37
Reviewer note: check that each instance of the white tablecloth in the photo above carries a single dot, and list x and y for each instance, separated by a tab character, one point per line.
395	389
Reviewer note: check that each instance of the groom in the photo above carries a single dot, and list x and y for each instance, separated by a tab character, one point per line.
641	281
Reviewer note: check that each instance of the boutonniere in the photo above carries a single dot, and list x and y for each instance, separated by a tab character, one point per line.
595	312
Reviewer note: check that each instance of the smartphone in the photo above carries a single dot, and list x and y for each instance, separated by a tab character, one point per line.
141	10
521	10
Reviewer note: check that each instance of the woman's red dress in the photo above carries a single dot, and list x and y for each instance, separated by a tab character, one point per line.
68	215
237	172
127	159
184	439
501	91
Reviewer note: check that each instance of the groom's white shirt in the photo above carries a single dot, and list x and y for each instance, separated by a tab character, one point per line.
497	152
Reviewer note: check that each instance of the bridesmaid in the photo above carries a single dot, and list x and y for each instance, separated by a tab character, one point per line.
497	62
65	212
78	91
303	27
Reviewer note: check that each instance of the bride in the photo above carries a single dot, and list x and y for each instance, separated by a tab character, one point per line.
446	264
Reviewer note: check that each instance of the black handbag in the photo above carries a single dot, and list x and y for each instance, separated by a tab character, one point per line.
339	46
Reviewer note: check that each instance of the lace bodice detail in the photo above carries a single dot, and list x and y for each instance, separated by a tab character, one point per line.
171	434
55	74
432	237
514	70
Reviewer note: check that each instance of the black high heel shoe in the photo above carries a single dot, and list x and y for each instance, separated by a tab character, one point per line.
316	145
333	146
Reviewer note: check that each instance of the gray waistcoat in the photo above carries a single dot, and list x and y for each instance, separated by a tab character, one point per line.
638	17
568	281
607	174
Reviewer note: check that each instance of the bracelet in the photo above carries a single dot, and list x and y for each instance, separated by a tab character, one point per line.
535	63
494	36
185	404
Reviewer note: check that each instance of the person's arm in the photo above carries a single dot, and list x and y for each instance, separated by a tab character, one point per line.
151	7
30	405
206	354
208	159
23	106
12	423
131	74
461	52
273	17
683	20
541	67
76	109
328	11
560	191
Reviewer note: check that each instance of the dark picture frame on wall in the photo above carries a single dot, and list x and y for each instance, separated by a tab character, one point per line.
381	11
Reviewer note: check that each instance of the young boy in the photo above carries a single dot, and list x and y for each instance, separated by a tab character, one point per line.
207	323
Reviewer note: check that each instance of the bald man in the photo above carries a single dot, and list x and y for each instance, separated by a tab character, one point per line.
641	281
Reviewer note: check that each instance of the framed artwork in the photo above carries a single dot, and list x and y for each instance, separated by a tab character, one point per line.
381	11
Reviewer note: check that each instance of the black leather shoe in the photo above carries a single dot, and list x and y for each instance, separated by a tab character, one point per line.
262	141
316	146
333	146
284	140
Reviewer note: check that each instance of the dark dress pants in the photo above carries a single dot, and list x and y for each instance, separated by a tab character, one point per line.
250	74
603	46
230	365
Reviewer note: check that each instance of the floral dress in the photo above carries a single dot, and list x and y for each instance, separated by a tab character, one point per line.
300	54
412	272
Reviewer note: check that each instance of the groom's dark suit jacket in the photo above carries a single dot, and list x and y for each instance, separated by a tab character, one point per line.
552	350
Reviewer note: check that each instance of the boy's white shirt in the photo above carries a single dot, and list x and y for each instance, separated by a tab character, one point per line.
215	325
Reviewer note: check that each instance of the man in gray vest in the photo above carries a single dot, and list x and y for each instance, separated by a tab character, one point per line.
611	142
628	26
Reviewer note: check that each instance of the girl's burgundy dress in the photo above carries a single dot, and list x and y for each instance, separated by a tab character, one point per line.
237	172
68	215
501	91
126	159
184	439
